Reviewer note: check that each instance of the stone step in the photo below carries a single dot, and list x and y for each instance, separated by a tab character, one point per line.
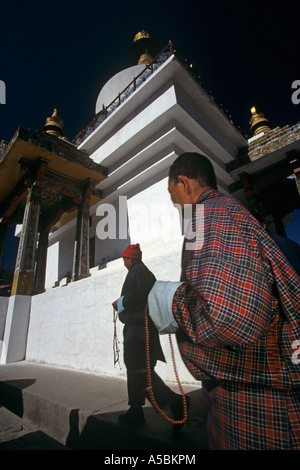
80	410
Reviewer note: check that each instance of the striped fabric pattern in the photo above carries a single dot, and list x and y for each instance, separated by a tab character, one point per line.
249	417
239	309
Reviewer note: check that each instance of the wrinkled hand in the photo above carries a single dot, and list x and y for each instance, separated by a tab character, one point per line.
115	305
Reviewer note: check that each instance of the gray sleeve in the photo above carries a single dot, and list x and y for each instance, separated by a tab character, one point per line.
160	306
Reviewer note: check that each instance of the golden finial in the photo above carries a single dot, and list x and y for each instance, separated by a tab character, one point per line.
144	48
145	59
259	123
142	35
54	125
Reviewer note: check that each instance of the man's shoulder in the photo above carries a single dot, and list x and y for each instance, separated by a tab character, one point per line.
139	272
218	200
213	197
139	266
223	211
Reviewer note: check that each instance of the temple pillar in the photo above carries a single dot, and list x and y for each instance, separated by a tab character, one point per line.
23	282
19	305
40	271
81	249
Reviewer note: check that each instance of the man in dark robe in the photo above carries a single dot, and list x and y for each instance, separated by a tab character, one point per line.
131	309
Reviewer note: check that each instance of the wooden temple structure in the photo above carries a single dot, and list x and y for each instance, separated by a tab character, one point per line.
45	181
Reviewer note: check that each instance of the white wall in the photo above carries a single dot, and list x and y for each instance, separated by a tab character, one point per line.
16	328
52	265
3	312
152	216
60	255
110	240
72	326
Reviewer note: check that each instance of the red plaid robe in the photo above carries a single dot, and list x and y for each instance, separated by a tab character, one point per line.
239	317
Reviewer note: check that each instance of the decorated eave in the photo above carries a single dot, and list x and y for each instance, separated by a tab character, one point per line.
27	153
267	148
276	139
270	159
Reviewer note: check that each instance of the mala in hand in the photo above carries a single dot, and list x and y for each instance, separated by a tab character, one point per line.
149	388
115	340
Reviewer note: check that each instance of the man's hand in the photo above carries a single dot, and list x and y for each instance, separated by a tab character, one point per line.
115	305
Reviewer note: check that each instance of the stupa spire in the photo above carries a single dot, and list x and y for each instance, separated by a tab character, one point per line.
54	125
144	48
259	123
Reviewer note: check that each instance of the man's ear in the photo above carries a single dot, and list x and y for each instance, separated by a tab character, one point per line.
185	181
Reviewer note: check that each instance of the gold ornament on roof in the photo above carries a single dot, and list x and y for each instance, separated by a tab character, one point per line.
54	125
142	35
259	123
145	59
144	48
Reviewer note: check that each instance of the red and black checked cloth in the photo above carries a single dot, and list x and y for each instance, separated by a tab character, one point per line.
239	308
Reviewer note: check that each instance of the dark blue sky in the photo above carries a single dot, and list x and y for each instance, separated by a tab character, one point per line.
60	54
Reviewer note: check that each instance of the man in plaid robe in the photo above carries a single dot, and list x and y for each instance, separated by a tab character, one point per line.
236	314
